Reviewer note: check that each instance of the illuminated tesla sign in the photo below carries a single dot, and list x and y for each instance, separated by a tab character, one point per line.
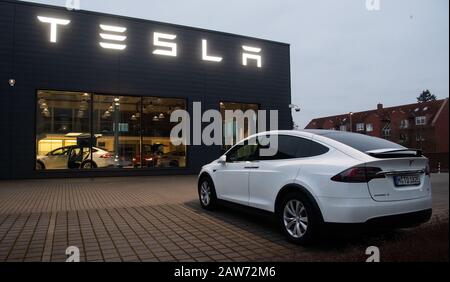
54	22
114	38
205	55
254	54
157	41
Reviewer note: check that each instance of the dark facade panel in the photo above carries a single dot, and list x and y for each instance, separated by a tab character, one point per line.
77	63
6	92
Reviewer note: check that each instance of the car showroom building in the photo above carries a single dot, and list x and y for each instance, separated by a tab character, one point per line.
87	94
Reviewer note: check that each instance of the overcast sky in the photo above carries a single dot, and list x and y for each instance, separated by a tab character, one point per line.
343	57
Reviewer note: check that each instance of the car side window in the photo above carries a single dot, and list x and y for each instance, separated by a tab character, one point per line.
75	151
66	152
243	152
317	149
290	147
287	148
60	152
56	152
304	148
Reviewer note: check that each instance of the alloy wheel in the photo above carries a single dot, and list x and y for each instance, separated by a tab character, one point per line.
295	218
205	193
87	165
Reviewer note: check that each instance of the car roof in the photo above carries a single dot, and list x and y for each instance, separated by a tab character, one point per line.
75	146
322	131
64	147
285	132
308	132
320	135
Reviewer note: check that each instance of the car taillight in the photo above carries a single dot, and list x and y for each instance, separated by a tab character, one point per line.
106	156
358	174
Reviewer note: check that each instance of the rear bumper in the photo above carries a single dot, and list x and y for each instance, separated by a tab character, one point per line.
344	210
402	220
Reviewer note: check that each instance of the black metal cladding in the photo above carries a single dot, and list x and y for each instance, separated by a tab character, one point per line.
77	63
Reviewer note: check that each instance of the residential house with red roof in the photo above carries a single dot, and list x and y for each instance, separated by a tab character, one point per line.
421	126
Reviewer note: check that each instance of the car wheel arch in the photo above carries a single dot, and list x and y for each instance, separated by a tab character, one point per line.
41	163
293	187
204	175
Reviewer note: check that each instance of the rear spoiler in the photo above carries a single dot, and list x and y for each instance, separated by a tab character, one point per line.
395	153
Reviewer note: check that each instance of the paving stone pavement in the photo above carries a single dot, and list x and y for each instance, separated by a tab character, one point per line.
139	219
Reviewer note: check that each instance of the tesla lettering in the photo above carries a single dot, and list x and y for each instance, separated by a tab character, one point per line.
171	45
246	56
113	37
54	22
205	55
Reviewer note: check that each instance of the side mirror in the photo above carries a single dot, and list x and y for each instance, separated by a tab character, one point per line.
222	159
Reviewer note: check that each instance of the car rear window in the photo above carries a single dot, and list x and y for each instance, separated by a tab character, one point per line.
362	142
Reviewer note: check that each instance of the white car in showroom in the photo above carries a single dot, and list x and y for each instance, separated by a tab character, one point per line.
322	176
73	157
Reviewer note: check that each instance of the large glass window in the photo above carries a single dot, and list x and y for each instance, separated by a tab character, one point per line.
62	126
157	150
84	131
230	127
117	124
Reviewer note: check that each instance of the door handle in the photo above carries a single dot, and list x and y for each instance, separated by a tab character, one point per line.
251	167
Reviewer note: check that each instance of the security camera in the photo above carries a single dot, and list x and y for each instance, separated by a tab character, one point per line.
12	82
295	107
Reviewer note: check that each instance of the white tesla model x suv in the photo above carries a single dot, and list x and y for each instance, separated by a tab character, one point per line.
322	176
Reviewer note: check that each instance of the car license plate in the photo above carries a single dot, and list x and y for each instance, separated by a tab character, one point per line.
407	180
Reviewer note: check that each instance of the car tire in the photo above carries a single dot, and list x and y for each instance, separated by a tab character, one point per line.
88	165
207	193
299	219
40	165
